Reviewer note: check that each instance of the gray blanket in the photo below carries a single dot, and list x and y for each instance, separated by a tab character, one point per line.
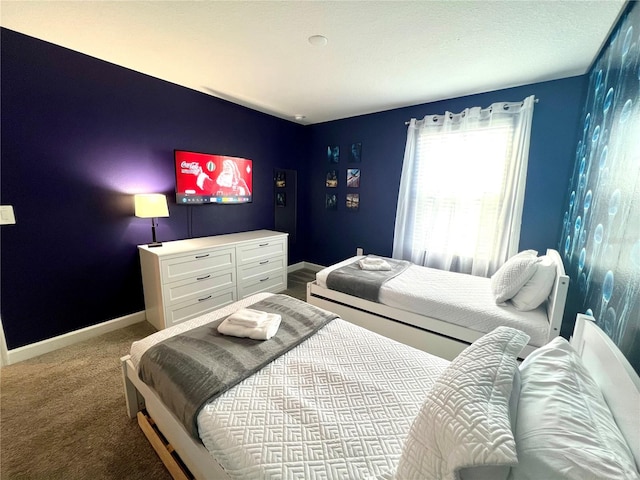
194	367
353	280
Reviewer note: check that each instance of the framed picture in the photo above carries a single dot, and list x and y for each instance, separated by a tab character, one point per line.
333	154
281	179
355	154
353	177
331	201
281	199
332	179
353	201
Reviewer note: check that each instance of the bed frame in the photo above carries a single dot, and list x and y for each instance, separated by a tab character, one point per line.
421	331
619	383
181	454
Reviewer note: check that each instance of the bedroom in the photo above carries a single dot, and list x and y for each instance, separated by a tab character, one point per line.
78	141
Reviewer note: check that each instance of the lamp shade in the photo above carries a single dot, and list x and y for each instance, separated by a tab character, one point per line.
151	205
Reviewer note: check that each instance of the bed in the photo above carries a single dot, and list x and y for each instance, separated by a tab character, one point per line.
350	403
441	312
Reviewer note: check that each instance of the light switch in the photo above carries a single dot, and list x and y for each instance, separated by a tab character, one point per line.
7	216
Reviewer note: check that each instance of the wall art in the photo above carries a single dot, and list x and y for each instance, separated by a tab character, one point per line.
333	154
332	179
355	153
331	201
353	177
353	201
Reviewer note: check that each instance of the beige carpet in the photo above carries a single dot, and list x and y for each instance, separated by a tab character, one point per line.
297	283
62	415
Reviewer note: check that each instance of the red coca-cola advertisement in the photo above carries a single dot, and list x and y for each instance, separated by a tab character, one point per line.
205	178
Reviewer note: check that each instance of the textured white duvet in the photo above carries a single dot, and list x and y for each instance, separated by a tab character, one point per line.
339	405
464	300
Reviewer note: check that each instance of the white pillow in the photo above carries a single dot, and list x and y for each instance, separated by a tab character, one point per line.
538	287
463	427
564	428
511	276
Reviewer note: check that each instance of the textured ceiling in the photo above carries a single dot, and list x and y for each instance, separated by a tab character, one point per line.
379	55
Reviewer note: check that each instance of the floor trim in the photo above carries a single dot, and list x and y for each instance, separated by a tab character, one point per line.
49	345
304	265
4	360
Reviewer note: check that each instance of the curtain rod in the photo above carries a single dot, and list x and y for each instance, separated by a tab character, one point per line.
535	100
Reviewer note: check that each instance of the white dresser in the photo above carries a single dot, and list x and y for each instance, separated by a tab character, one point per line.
187	278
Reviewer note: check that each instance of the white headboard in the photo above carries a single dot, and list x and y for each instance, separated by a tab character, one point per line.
618	381
558	295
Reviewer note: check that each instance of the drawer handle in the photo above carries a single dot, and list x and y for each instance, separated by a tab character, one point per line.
203	256
266	261
202	278
264	279
205	298
264	244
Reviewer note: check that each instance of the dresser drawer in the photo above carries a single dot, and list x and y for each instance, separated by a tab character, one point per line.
261	268
181	312
251	252
269	283
198	287
187	278
196	264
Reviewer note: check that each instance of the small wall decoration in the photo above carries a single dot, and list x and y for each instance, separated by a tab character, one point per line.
333	154
281	179
332	178
353	177
281	199
355	154
353	201
331	202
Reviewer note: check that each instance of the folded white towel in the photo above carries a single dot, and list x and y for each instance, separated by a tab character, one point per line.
263	332
248	317
383	265
373	260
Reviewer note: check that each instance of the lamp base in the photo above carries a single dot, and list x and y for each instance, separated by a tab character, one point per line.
154	242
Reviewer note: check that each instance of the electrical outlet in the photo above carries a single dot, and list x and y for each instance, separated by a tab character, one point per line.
359	251
7	217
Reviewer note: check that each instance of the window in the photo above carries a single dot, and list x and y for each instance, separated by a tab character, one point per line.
462	189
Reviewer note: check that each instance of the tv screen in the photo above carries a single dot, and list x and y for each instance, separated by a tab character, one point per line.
204	178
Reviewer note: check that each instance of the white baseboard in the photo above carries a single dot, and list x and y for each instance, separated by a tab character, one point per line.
313	266
49	345
295	267
3	347
300	265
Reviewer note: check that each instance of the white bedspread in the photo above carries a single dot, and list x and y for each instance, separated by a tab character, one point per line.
339	405
464	300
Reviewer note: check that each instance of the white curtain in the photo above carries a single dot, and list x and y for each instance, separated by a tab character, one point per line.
462	188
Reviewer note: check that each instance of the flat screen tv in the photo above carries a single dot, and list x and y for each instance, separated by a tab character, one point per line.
203	178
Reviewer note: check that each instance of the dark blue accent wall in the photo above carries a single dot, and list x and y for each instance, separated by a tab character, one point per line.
601	234
79	137
334	235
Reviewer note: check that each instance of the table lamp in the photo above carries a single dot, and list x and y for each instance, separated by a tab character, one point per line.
151	205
